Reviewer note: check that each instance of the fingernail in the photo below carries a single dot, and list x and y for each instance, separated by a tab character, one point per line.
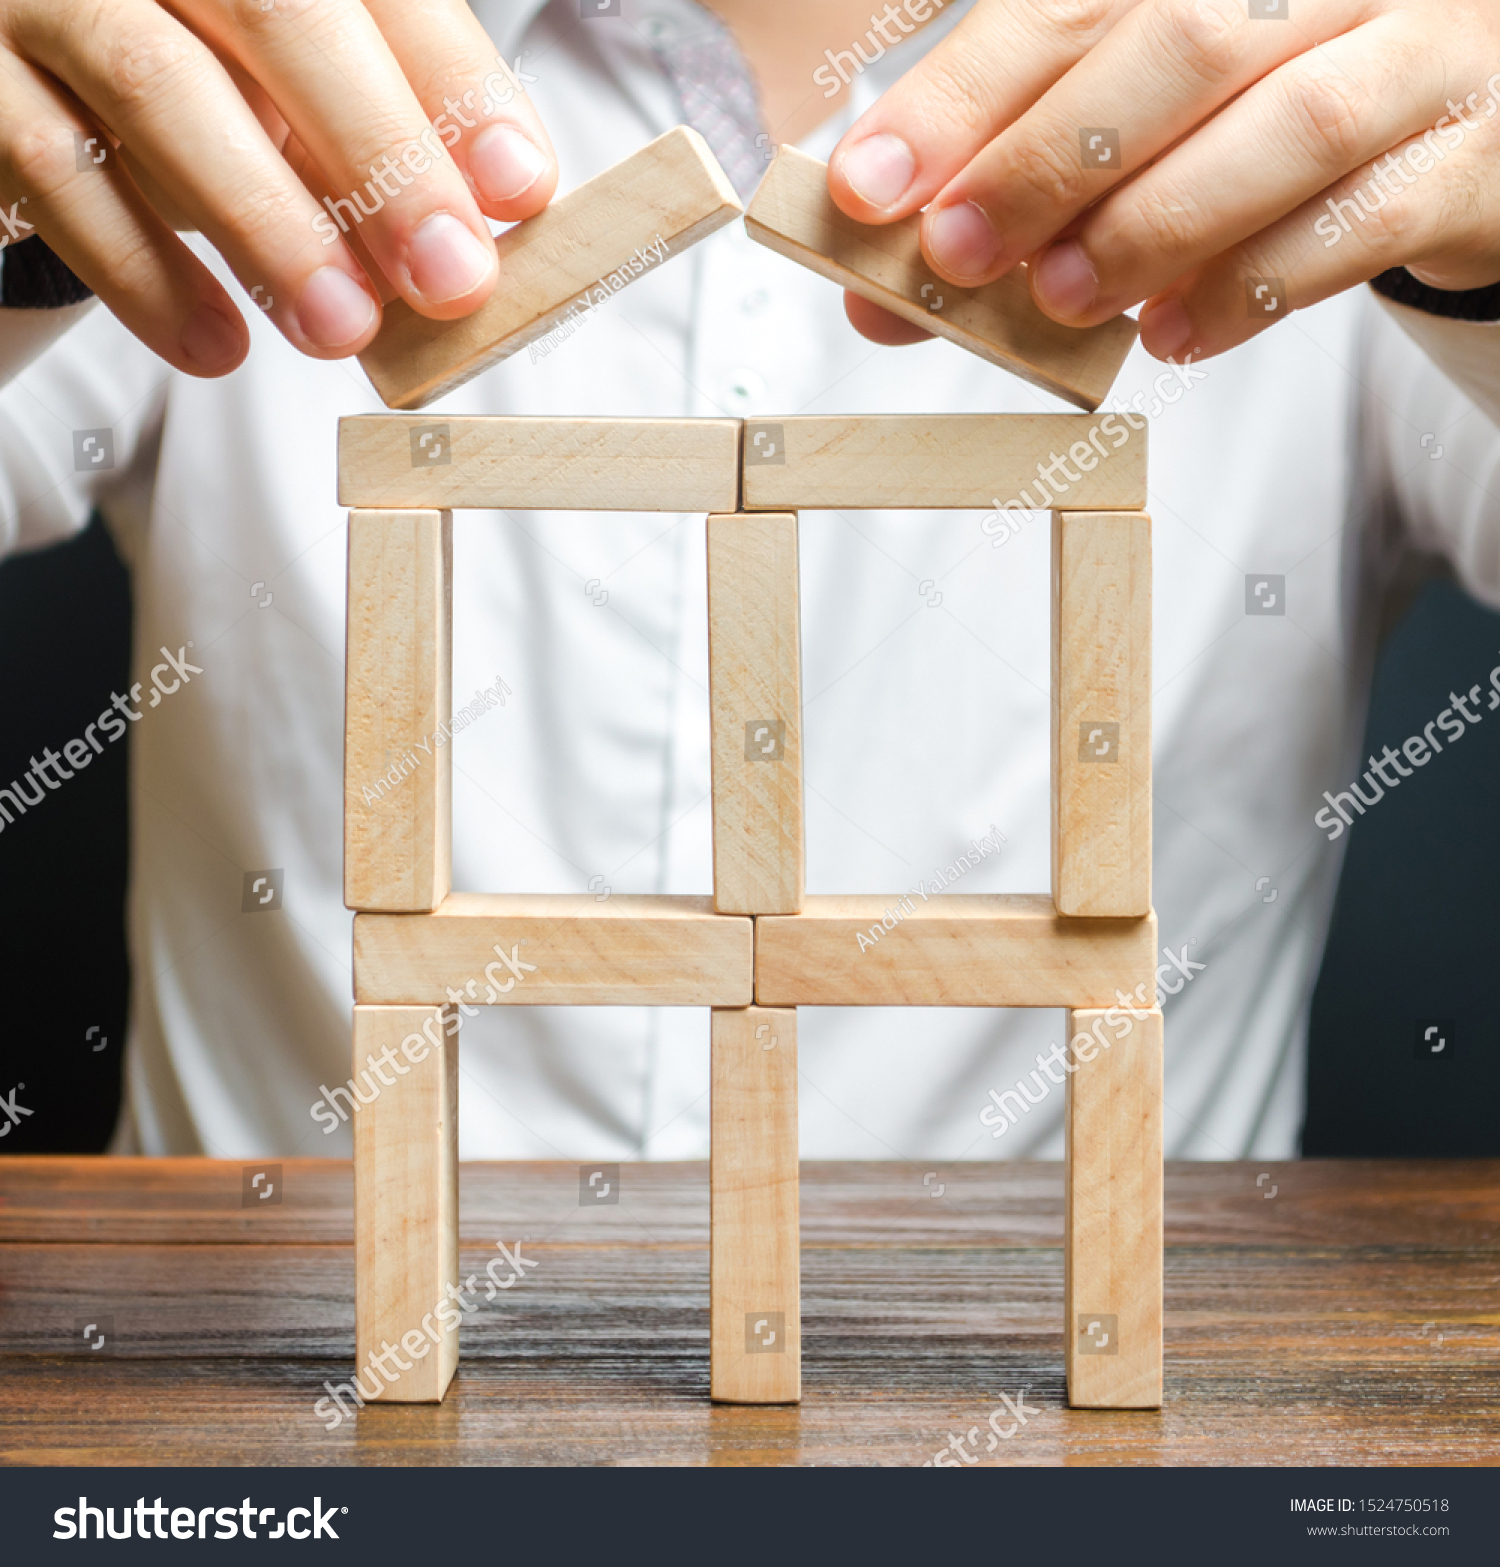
1165	329
212	341
879	169
447	259
504	163
334	309
1065	280
962	240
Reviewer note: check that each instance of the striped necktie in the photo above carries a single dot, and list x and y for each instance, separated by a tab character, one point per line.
716	89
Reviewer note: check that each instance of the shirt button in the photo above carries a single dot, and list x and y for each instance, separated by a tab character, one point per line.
659	30
744	390
753	304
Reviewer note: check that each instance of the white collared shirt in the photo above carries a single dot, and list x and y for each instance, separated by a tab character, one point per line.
1298	457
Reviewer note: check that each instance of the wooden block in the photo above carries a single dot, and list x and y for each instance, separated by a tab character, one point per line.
1101	712
540	464
942	460
572	256
954	950
1112	1284
793	213
755	1321
755	702
405	1199
398	781
563	950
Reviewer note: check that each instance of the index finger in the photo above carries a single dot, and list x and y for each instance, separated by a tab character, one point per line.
337	84
458	77
904	149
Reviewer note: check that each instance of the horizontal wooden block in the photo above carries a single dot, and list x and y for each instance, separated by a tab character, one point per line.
556	950
1101	713
1098	462
540	464
955	950
1112	1283
398	690
755	712
793	214
575	254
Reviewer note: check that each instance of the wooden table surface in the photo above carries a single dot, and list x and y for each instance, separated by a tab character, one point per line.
1316	1313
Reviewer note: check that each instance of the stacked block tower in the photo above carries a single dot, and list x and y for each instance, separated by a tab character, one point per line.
759	948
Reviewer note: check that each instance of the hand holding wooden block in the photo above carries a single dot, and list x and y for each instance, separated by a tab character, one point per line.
793	213
578	251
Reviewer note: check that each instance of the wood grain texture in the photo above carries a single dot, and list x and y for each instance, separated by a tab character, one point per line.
1310	1204
755	1328
954	950
405	1201
1112	1290
1334	1312
755	710
1101	713
574	255
895	461
793	214
539	463
570	951
398	777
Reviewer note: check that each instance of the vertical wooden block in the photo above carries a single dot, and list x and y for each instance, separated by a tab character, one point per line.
1101	713
1113	1227
755	1322
406	1200
755	702
398	778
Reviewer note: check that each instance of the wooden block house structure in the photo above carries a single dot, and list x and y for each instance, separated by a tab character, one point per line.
759	947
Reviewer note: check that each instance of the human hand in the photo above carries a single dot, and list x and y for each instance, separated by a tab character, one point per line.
124	120
1307	143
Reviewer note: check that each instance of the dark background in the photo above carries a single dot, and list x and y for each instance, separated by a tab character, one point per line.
1412	943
